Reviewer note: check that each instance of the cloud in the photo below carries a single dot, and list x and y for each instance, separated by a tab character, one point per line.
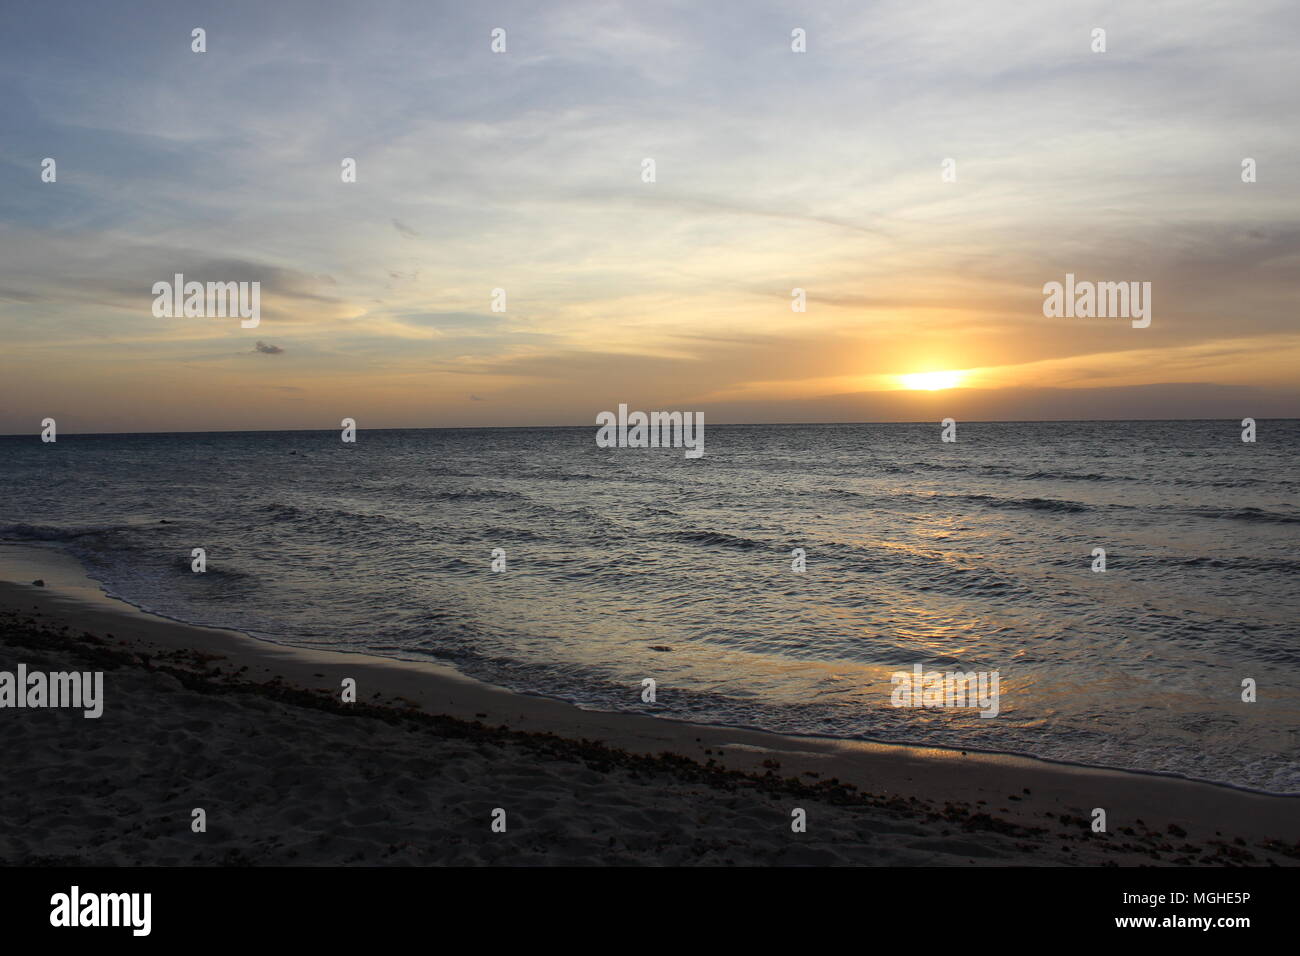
17	295
775	171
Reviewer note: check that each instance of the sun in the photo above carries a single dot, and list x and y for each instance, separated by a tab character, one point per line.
930	381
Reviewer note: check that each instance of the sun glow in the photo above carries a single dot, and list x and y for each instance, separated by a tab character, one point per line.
931	381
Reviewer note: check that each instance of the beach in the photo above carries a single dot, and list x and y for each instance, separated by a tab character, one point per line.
417	769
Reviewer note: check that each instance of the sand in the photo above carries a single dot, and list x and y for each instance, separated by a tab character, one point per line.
257	736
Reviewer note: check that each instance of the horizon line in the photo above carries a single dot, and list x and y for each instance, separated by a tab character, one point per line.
404	428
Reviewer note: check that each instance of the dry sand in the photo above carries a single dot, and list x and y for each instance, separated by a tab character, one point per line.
255	734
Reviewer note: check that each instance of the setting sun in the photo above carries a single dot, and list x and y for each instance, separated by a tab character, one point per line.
930	381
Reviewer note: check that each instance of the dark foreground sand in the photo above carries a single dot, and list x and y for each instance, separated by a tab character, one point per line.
256	735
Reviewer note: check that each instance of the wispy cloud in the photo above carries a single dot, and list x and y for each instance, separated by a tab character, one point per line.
523	172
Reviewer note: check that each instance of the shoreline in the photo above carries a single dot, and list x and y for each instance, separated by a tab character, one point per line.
21	562
1024	793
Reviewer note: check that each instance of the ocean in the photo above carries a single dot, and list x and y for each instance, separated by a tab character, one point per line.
628	564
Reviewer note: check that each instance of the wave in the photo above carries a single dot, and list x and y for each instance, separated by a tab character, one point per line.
1243	514
1054	505
551	475
478	494
718	539
293	514
1071	476
1002	471
37	532
1057	505
1222	564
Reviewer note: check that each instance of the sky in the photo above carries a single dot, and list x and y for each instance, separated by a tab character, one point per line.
523	171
